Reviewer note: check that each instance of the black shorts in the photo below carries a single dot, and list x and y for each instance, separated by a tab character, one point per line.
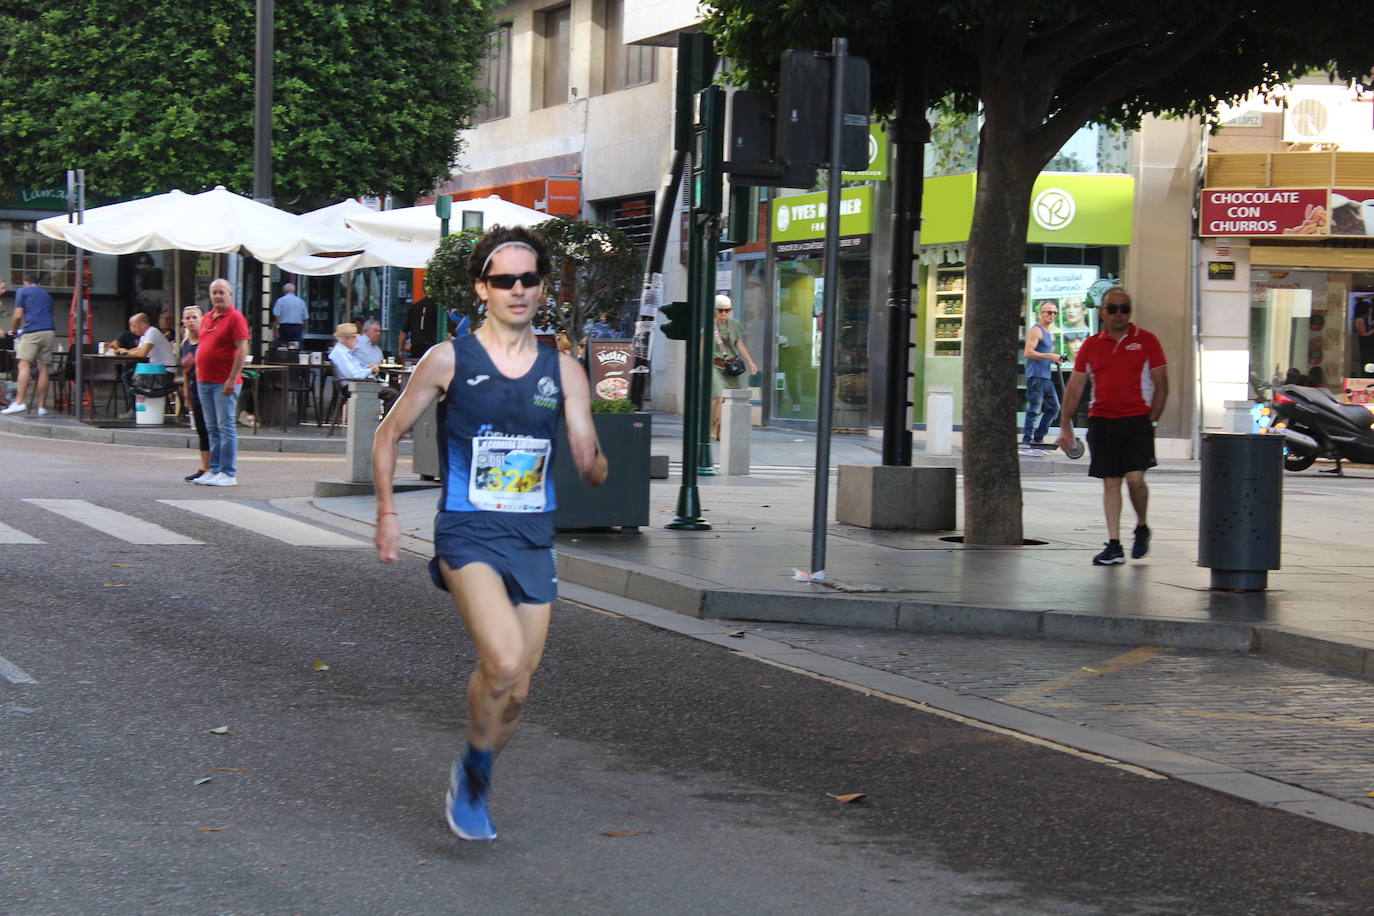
1120	445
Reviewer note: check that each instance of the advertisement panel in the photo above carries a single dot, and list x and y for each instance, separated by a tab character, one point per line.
1264	211
1073	292
609	361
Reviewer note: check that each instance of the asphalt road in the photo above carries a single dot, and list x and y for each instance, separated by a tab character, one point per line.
655	773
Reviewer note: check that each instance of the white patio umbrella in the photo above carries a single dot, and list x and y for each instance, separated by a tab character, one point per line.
368	250
215	221
420	224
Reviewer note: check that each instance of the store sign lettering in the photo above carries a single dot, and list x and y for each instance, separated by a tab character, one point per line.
805	217
1281	211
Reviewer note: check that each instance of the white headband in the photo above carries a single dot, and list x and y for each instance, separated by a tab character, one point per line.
525	245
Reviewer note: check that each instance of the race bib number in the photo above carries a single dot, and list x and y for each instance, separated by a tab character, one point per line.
508	473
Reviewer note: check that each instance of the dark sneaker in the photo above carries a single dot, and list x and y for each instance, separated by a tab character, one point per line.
465	806
1141	545
191	478
1111	556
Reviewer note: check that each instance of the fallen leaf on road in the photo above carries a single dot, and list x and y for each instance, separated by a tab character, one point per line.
849	799
620	833
115	585
736	633
766	686
576	540
214	829
222	730
231	769
318	665
202	780
903	652
125	565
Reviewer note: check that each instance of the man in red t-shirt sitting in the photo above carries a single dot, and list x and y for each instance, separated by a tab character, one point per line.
1130	387
220	356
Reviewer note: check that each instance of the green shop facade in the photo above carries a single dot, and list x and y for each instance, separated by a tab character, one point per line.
1079	237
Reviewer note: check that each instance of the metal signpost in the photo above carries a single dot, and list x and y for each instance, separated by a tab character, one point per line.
76	212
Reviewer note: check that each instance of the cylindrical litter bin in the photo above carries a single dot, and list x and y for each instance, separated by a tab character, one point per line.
1240	522
150	385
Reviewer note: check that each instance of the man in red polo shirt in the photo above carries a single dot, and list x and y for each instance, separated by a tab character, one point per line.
220	356
1130	387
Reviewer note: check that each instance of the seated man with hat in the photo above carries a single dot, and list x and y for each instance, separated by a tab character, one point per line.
349	366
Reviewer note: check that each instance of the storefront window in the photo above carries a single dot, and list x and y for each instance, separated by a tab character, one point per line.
800	295
1093	149
1303	326
30	252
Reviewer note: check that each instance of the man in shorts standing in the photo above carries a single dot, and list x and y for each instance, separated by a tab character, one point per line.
500	396
1130	388
32	313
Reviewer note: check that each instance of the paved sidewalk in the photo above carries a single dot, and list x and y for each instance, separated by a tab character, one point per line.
1318	608
305	438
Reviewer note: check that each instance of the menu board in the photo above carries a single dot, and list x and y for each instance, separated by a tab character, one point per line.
609	361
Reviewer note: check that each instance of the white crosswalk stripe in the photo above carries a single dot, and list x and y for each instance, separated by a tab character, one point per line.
10	535
270	524
115	524
13	673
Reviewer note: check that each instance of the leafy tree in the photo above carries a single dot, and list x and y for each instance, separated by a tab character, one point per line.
446	275
369	96
595	268
1038	70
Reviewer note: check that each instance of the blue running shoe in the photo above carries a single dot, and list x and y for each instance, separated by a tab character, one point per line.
465	806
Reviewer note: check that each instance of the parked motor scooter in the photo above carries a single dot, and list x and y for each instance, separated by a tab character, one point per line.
1316	425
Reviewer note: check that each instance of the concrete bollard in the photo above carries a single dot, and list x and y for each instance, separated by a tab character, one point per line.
1238	419
736	432
364	407
939	420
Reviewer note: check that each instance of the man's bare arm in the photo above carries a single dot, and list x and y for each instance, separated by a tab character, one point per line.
577	414
240	358
429	380
1159	375
1073	393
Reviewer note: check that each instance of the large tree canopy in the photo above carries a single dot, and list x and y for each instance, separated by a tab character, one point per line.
369	95
1038	70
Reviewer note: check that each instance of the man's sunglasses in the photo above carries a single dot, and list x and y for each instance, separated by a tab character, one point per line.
507	281
1115	309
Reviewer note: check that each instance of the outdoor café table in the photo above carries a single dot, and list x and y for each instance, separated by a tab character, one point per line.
279	382
106	367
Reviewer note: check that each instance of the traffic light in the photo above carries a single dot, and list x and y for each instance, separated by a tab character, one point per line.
679	321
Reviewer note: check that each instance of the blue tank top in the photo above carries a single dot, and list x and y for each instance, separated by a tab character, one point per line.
1040	368
496	444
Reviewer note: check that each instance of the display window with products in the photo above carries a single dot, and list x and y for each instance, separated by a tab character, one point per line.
1311	327
797	234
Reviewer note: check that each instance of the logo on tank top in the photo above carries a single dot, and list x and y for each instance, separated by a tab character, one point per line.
478	379
547	390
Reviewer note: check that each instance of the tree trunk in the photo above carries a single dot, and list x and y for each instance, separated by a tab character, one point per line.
995	277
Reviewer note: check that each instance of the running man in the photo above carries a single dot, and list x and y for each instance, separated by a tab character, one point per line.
500	396
1130	388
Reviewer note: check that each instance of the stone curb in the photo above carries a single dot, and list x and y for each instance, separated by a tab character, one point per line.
1114	749
703	599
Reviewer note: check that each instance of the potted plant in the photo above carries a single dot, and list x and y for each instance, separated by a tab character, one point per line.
623	500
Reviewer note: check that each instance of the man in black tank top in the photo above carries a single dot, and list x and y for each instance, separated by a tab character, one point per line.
494	530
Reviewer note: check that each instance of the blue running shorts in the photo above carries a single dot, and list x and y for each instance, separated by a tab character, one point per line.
529	572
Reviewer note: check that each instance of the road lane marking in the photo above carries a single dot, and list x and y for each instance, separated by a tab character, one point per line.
270	524
13	673
10	535
115	524
1110	666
